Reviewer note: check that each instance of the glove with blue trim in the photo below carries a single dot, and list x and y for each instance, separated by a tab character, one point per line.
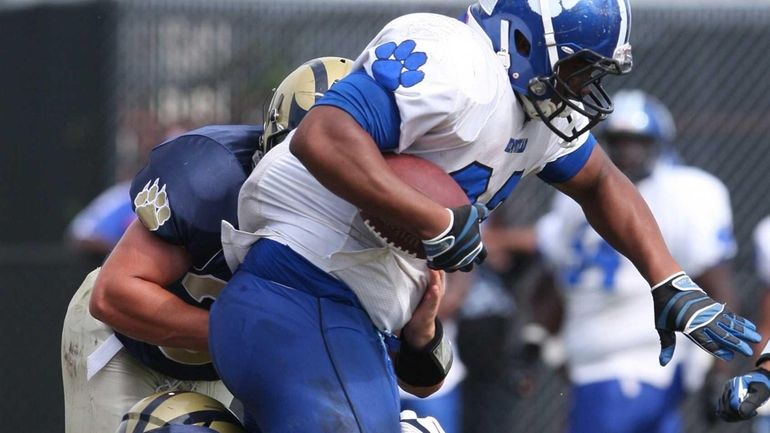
681	305
459	246
742	395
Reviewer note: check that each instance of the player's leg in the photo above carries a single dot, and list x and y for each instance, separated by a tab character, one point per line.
81	336
299	362
95	404
625	406
668	416
601	407
117	381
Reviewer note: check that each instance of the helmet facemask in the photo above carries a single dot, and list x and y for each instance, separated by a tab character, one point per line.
576	85
569	48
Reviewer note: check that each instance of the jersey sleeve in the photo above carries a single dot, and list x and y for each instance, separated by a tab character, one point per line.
188	186
432	86
563	160
761	239
566	163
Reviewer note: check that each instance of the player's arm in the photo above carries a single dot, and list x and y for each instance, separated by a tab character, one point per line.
128	294
426	355
340	142
345	159
616	210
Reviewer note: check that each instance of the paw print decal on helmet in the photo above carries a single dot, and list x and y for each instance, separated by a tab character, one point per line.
398	65
151	205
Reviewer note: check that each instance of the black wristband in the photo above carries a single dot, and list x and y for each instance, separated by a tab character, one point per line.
427	366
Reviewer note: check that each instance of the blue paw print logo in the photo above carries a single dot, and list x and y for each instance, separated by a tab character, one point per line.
397	65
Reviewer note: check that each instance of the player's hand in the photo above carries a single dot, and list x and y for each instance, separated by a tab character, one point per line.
681	305
410	423
742	395
459	246
421	328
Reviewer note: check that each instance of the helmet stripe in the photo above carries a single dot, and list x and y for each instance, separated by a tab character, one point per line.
625	25
320	77
206	417
146	414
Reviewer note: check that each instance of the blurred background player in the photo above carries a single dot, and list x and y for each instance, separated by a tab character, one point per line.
617	387
140	323
97	228
746	395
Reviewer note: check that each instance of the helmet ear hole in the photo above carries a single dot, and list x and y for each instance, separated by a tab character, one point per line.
523	47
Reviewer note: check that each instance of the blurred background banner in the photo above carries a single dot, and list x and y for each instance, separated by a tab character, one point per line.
90	87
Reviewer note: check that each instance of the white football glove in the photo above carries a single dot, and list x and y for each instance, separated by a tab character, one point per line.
410	423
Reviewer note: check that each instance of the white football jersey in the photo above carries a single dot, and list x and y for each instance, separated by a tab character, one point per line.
457	110
609	326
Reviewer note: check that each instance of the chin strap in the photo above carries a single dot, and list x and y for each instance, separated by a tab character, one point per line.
548	33
547	108
504	53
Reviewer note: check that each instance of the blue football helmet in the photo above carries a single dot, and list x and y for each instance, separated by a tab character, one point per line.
641	114
636	133
557	52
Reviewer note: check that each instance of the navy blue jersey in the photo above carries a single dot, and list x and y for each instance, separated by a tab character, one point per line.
190	185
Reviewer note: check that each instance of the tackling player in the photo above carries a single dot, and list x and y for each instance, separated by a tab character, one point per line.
140	323
510	90
616	384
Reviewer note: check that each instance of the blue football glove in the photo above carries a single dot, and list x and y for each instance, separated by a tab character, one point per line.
681	305
459	246
742	395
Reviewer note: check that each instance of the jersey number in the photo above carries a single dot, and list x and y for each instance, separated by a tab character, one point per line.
598	255
474	180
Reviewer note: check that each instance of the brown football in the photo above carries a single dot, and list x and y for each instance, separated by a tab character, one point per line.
429	179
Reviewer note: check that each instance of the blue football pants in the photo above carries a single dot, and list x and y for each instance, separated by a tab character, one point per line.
293	344
603	407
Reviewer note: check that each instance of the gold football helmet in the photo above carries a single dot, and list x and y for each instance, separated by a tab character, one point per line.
179	411
297	93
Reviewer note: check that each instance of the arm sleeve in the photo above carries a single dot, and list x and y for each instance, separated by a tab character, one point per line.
370	104
407	86
565	166
188	186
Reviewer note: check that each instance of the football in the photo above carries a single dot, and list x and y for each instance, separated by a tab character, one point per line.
427	178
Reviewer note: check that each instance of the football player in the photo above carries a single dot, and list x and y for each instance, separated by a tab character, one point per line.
616	384
510	90
140	323
744	394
